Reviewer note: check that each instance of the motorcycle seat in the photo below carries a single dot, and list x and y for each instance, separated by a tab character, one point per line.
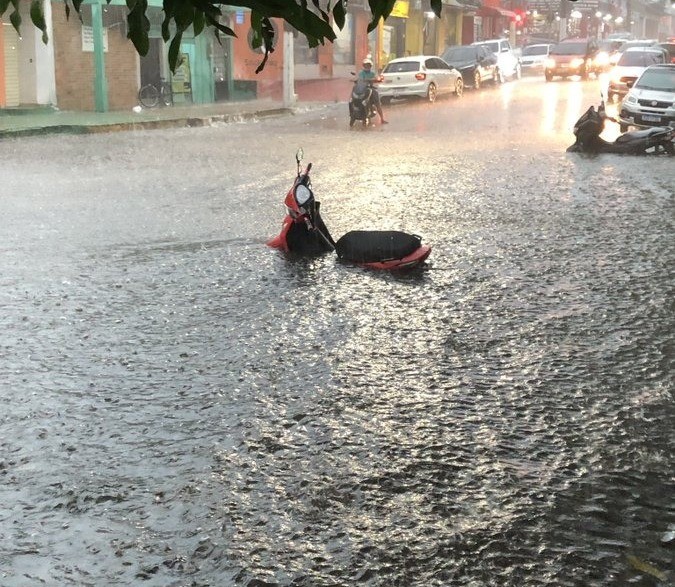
637	135
371	246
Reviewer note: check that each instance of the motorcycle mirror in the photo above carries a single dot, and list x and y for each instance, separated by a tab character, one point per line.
299	155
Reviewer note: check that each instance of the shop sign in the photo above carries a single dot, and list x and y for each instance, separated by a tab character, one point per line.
88	39
400	9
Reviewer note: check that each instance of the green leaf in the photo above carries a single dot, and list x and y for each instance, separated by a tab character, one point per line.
139	27
321	11
174	49
198	23
37	16
184	15
3	6
380	9
219	27
339	14
15	19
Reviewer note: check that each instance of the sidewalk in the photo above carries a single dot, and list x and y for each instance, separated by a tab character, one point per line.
42	120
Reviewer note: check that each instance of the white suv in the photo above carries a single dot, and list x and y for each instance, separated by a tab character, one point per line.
650	100
507	62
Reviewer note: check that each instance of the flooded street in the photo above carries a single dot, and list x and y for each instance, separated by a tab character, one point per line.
181	405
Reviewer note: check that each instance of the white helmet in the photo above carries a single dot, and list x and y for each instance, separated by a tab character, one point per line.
367	61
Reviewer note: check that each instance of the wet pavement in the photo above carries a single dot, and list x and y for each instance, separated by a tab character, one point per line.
181	405
46	120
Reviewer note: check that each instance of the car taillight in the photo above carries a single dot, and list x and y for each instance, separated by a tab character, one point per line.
420	76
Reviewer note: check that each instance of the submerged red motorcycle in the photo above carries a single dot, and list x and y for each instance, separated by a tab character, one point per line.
304	232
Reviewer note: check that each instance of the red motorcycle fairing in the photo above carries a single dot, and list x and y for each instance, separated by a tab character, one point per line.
303	230
415	259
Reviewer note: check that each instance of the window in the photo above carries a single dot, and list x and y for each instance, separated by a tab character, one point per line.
402	67
302	53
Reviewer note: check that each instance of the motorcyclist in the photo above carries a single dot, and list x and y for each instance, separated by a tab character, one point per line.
368	74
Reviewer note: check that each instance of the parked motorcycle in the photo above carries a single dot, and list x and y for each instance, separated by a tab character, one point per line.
361	105
587	130
304	232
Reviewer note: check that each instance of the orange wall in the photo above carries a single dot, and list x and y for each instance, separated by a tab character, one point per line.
246	60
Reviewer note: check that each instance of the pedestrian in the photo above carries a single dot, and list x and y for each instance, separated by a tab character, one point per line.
368	74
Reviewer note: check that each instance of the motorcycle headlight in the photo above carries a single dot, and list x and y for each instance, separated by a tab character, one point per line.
602	58
302	195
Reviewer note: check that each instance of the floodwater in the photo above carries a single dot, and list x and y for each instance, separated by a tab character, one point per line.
182	406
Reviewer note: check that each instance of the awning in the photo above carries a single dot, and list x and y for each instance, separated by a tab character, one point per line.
496	11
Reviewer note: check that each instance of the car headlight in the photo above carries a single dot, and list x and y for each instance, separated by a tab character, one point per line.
550	63
576	62
630	99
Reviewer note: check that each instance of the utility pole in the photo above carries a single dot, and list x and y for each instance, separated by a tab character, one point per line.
289	71
100	81
564	12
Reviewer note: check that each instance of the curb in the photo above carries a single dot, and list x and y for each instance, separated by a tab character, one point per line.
182	122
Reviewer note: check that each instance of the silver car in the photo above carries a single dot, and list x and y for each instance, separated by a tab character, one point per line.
423	76
650	100
533	58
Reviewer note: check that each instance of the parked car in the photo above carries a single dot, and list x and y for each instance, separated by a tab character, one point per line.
476	63
572	57
609	51
670	47
533	58
507	61
629	67
423	76
651	99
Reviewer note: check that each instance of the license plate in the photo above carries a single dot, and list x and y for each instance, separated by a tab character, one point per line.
648	118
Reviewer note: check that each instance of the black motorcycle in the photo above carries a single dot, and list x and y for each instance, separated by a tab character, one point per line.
587	130
361	104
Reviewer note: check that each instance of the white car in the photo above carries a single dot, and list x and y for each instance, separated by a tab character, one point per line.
650	100
533	58
629	67
424	76
507	61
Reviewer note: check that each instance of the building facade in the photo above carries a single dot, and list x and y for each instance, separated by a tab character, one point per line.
89	64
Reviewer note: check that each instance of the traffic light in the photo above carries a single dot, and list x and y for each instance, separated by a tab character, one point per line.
519	18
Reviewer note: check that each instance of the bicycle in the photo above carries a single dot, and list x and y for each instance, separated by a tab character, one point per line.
150	96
